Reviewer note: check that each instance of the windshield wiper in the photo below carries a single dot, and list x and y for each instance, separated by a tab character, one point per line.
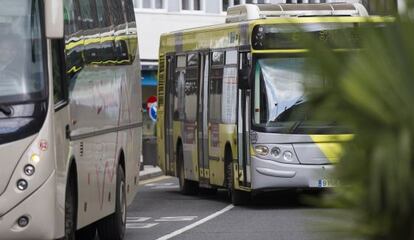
6	110
295	126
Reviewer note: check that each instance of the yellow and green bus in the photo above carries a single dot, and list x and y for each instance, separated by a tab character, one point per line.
233	112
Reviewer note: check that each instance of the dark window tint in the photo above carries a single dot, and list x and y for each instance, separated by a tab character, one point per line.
88	14
215	94
192	59
116	12
59	81
69	17
191	89
129	8
73	48
179	92
102	13
217	58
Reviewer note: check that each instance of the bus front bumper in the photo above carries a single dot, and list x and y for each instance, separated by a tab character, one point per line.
39	208
267	174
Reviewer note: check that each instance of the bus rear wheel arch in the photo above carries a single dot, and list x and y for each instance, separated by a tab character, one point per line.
71	209
113	226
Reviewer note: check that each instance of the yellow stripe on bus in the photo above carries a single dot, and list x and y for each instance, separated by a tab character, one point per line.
331	145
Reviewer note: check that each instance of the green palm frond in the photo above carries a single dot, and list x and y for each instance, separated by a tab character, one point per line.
372	92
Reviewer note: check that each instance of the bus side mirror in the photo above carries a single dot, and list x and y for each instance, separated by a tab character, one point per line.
54	18
244	79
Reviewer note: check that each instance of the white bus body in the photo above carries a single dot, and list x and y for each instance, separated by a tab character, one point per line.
70	118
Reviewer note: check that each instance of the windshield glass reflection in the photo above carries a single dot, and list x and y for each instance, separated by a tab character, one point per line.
281	102
21	61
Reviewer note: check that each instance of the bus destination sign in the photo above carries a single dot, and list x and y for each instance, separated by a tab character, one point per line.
287	36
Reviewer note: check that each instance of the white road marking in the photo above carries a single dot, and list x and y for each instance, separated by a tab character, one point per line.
193	225
176	219
137	219
140	225
162	185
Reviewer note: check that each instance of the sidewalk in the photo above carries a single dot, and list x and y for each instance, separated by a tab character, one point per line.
150	172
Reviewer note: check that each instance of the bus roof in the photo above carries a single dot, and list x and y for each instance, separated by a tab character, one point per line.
236	34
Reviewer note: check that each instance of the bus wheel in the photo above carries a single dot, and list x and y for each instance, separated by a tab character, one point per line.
187	187
113	226
70	210
237	197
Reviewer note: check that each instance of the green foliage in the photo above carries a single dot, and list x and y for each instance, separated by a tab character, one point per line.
372	92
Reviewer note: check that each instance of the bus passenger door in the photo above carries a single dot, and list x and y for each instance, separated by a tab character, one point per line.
243	121
169	111
202	120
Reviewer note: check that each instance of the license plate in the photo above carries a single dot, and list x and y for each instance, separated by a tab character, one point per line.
326	183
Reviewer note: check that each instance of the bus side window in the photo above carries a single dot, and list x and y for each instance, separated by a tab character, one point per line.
102	13
88	14
115	7
132	29
60	87
179	85
129	9
191	87
216	86
69	17
229	86
120	26
70	28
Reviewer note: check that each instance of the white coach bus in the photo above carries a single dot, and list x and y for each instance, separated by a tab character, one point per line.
70	118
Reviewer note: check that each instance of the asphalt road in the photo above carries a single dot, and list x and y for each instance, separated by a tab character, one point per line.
161	212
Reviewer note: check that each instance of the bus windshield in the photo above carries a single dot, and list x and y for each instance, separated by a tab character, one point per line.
21	59
281	104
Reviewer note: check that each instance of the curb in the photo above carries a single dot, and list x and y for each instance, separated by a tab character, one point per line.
145	176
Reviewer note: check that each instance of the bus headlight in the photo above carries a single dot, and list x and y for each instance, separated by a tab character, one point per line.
282	153
288	156
22	184
29	170
275	152
261	150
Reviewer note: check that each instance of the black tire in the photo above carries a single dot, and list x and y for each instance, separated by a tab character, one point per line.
187	187
86	233
113	226
70	210
236	197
